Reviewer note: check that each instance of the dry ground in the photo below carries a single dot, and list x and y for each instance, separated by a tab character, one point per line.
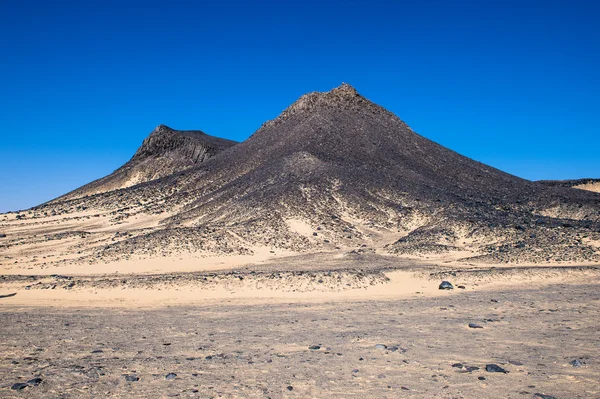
230	337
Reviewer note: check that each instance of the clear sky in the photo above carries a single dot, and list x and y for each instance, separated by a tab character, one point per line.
515	84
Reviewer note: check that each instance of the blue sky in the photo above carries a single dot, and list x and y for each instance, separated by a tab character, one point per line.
514	84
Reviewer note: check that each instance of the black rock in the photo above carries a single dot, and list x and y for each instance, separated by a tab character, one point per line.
8	295
290	388
131	377
458	365
34	381
170	376
462	287
473	325
576	363
314	347
20	385
2	235
471	368
481	378
494	368
445	285
542	396
97	351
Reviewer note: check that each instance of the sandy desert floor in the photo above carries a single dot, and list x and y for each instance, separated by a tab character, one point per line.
365	326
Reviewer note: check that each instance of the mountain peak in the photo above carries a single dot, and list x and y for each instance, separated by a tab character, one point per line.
344	90
343	96
162	128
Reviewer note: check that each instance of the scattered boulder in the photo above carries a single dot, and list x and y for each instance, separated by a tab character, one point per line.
314	347
576	363
473	325
170	376
34	381
31	383
494	368
131	378
445	285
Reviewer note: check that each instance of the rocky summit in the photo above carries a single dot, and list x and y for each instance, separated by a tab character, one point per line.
334	172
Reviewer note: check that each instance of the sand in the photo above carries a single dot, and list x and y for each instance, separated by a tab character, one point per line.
595	187
240	325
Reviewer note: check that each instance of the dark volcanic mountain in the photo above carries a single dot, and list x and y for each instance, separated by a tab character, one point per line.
333	172
164	152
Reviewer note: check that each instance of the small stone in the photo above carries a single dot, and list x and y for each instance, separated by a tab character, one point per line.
462	287
290	388
314	347
34	381
473	325
576	363
471	368
98	351
380	346
494	368
515	362
131	377
445	285
355	371
18	386
542	396
170	376
481	378
405	388
458	365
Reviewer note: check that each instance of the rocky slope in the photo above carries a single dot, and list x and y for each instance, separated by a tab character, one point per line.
336	172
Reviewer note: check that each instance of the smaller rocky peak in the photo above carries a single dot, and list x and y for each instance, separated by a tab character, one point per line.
162	129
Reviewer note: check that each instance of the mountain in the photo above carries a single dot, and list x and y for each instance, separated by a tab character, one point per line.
164	152
336	173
